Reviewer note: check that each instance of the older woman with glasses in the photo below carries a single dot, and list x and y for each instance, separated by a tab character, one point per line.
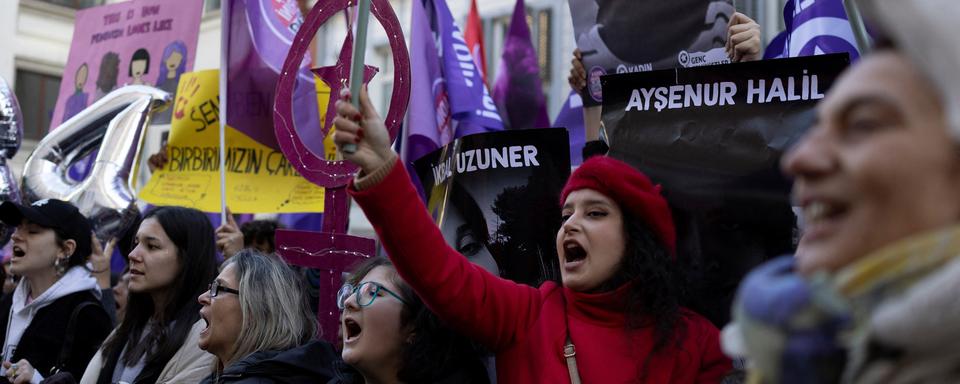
259	325
390	336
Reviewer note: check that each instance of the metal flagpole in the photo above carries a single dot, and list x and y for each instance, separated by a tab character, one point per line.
857	25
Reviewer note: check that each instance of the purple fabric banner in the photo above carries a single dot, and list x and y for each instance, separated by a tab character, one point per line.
429	124
813	28
518	93
470	101
149	42
261	33
571	118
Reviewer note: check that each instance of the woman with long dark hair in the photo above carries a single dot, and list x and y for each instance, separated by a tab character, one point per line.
170	266
616	317
390	336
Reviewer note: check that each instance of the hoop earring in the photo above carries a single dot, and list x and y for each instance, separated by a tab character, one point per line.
60	266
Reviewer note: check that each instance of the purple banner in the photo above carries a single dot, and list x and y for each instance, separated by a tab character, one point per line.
470	101
429	124
260	35
571	118
813	28
148	42
518	93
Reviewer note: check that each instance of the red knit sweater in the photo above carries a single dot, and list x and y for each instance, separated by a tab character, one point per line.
523	325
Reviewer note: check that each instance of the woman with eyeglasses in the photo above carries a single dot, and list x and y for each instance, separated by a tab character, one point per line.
170	265
259	325
390	336
615	317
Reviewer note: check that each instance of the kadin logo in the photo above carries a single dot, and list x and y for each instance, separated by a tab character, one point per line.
442	104
593	82
288	13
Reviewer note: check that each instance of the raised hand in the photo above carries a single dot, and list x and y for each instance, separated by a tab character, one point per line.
229	237
743	39
364	128
578	75
158	160
100	260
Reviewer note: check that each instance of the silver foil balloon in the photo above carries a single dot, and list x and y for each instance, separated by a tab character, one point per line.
11	132
11	121
115	125
8	192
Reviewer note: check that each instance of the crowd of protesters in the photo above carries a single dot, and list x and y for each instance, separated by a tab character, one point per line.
869	296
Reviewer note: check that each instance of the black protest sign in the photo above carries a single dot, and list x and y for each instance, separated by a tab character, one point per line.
494	197
713	137
714	129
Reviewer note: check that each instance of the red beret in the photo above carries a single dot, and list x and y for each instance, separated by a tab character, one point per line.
630	189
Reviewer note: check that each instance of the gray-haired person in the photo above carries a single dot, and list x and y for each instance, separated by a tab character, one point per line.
259	325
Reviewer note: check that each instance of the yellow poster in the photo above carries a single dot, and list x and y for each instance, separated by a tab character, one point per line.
259	178
323	98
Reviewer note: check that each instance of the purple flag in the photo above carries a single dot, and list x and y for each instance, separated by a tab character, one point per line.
518	93
470	102
813	28
429	124
260	35
571	118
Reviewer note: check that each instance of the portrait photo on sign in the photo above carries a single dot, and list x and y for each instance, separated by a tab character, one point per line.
623	36
494	197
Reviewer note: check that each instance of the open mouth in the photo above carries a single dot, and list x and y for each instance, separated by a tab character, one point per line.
352	330
18	252
820	211
206	323
573	252
136	272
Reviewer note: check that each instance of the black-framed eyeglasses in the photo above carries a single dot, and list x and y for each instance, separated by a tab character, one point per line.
366	293
216	288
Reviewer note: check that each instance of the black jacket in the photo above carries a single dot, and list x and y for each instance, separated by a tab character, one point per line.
310	363
472	372
43	339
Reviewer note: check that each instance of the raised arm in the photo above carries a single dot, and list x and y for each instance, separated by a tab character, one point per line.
489	309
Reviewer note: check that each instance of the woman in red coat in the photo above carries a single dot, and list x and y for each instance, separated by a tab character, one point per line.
615	319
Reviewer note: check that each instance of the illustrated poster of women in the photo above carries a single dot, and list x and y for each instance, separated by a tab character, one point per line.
173	63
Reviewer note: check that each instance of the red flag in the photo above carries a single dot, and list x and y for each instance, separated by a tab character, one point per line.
474	37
